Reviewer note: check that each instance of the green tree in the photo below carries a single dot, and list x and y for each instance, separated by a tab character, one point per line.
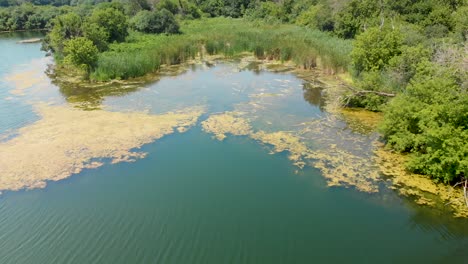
430	122
374	48
97	34
65	27
212	7
317	16
161	21
356	17
168	5
114	21
81	52
461	23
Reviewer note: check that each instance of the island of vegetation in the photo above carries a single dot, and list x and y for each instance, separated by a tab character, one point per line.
407	59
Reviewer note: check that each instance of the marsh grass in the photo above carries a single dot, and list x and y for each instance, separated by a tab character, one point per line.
144	53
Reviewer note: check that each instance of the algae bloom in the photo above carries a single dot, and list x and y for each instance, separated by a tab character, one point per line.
67	140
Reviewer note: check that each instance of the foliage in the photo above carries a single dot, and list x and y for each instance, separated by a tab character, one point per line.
461	23
375	48
97	34
268	11
402	68
65	27
356	17
161	21
81	52
317	16
143	54
113	20
28	17
168	5
430	121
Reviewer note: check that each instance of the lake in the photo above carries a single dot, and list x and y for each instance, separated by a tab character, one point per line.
223	163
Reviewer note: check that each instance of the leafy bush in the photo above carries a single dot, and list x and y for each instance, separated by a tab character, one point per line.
97	34
317	16
430	121
114	21
65	27
374	48
81	52
161	21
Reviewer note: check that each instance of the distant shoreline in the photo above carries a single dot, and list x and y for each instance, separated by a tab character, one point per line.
22	30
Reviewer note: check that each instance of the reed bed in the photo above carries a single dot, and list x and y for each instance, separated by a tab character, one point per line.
145	53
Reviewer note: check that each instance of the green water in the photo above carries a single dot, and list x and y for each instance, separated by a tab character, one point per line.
194	199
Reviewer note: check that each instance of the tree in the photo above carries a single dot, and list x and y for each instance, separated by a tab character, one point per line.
161	21
213	7
81	52
356	17
374	48
114	21
461	23
430	122
317	16
65	27
168	5
97	34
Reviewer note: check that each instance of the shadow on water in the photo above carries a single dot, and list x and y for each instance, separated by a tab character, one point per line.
313	94
22	35
254	66
438	220
91	97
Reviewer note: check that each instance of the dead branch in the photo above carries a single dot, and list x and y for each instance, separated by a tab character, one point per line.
357	92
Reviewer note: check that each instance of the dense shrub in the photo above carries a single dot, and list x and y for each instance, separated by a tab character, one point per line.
430	121
375	48
81	52
161	21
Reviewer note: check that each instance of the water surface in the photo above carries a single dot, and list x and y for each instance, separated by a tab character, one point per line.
194	199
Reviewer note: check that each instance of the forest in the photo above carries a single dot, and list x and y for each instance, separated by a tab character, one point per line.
407	58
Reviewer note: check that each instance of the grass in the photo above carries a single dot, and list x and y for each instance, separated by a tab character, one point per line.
145	53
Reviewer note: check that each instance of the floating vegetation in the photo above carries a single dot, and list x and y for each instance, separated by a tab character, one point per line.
361	120
340	168
67	140
421	188
284	141
34	76
226	123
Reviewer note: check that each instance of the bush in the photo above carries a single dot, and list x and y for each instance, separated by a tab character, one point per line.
374	48
81	52
114	21
65	27
430	121
317	16
97	34
161	21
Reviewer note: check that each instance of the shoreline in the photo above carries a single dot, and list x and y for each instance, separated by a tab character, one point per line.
23	30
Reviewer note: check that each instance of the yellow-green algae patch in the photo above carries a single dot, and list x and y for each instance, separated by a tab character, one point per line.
67	140
25	80
226	123
361	120
420	187
339	167
284	141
